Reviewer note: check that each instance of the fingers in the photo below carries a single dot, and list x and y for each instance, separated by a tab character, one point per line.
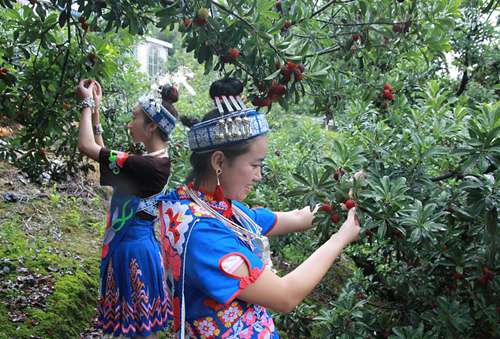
316	208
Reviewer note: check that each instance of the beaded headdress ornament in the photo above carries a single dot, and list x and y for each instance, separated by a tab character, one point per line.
235	124
157	112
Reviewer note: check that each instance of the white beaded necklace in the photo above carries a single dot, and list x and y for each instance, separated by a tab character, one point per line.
251	235
163	152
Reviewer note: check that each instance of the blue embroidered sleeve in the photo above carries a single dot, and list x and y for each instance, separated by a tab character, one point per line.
209	245
264	217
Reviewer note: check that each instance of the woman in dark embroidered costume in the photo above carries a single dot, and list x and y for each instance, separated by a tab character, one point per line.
133	297
215	247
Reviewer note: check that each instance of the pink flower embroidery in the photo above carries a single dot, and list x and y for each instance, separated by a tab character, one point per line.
246	333
207	328
230	314
249	317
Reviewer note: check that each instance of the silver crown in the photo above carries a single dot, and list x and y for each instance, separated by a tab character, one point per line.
231	128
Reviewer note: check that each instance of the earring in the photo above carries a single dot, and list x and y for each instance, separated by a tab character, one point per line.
219	191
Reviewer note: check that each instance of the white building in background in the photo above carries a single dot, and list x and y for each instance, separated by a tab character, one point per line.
152	55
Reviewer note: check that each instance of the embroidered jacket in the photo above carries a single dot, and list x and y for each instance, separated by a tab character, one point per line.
201	255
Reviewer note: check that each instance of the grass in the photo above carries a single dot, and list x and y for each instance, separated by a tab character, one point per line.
49	250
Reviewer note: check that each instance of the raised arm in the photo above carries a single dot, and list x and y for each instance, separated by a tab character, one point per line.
86	143
283	294
293	221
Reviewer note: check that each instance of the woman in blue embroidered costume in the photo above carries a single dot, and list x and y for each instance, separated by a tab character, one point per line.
133	297
215	247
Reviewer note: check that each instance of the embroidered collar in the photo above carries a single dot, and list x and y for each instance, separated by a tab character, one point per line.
224	207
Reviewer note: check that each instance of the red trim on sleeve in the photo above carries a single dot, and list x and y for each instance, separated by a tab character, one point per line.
245	260
274	223
253	275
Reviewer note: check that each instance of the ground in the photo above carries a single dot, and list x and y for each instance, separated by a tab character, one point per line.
49	250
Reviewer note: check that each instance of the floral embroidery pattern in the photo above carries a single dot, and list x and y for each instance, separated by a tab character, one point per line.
207	328
229	316
175	220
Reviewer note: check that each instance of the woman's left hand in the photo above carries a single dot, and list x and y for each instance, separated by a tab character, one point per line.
307	214
97	93
84	89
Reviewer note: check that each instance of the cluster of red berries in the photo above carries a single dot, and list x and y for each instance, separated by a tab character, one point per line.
200	19
291	67
388	92
276	91
487	276
334	217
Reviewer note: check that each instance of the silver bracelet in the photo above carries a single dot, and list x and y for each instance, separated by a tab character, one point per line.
98	129
87	102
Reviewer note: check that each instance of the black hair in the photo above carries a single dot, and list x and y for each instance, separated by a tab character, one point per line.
200	162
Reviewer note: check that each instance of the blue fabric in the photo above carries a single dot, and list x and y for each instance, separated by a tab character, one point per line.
210	241
134	299
202	241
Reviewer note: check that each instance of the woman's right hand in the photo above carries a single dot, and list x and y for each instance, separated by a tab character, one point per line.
349	231
84	89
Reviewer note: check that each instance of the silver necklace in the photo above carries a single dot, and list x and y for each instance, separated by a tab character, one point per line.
251	235
163	152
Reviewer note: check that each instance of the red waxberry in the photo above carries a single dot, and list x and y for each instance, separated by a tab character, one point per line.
298	74
42	152
356	37
339	172
277	89
287	24
186	22
277	4
233	53
326	208
200	21
286	73
274	97
388	95
488	273
291	65
388	86
85	26
457	276
335	218
349	203
397	27
261	102
3	71
483	280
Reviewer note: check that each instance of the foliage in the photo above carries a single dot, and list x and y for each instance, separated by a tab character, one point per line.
428	139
